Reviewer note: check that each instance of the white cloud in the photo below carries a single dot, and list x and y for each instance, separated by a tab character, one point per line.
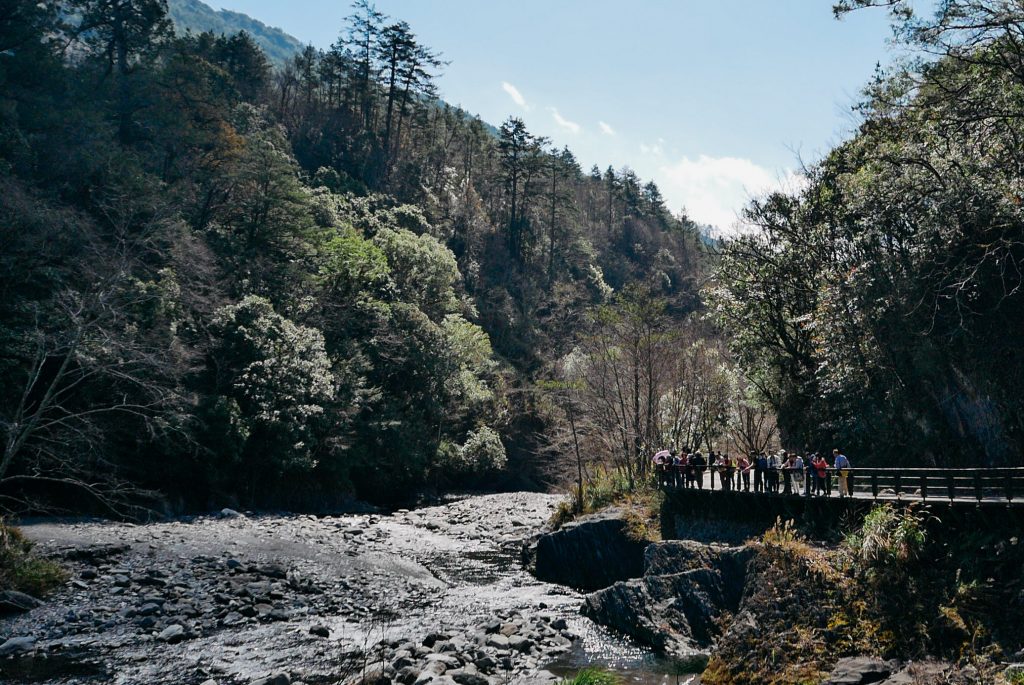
514	93
655	149
570	126
713	190
606	128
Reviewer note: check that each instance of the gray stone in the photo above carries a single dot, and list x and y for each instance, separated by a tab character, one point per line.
470	679
172	633
408	675
588	554
433	638
13	602
17	644
275	679
673	613
486	663
227	513
497	641
860	670
520	643
320	631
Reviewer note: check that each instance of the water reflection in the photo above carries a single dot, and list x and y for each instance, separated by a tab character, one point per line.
602	648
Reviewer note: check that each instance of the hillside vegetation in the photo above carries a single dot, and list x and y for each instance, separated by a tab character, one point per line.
198	17
226	283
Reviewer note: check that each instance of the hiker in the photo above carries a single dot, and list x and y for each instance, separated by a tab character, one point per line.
760	464
797	474
772	473
698	469
731	482
787	469
809	474
842	466
744	467
820	474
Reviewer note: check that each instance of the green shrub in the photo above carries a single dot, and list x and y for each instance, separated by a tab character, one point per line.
889	536
594	676
607	487
23	570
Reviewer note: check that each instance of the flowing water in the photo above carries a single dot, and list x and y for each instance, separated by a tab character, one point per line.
451	568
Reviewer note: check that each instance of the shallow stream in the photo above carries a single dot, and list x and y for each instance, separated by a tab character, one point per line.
449	568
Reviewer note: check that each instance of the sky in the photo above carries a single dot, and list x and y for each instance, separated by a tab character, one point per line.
717	101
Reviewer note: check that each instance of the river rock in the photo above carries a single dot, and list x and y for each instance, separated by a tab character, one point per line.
860	670
408	675
172	633
588	554
13	602
275	679
17	644
470	679
520	643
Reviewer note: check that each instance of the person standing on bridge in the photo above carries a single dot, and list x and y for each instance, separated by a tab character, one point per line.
797	474
698	469
744	466
820	474
842	465
760	466
787	473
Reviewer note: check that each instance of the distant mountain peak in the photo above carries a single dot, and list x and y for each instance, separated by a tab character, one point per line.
198	17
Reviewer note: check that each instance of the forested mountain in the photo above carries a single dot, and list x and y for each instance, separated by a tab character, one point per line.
198	17
228	282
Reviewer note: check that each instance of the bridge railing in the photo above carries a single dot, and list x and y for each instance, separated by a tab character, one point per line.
980	484
932	483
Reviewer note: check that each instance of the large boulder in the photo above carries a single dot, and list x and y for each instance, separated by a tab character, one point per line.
675	607
679	556
14	602
588	554
674	614
860	670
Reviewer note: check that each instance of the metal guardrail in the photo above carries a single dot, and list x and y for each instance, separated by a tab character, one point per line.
922	484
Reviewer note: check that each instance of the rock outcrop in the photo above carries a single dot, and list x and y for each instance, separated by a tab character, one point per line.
675	606
588	554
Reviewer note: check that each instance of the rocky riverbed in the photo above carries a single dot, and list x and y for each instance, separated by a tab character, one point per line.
434	595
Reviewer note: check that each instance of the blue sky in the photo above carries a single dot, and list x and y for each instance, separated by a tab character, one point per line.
714	99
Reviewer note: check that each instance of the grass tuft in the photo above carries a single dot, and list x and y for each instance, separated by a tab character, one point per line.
22	569
594	676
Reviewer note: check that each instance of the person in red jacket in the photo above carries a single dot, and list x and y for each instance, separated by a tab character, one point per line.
820	474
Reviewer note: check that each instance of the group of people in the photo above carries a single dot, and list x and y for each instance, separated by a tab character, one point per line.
788	473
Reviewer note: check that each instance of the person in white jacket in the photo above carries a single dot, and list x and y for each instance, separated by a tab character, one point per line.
797	474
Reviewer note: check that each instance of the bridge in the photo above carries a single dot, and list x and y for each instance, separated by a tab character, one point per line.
960	486
965	499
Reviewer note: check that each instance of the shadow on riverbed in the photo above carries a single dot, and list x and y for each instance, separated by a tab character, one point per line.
82	666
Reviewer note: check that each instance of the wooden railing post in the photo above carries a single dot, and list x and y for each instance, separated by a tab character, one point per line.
874	486
951	486
897	485
978	494
1009	487
924	486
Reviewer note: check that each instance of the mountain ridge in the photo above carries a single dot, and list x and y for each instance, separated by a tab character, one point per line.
198	17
